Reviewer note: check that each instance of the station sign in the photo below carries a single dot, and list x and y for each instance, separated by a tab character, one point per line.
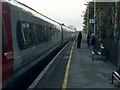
91	21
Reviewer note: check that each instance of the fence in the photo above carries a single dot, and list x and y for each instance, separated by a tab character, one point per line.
111	51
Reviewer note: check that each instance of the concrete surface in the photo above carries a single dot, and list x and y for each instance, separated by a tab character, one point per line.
85	73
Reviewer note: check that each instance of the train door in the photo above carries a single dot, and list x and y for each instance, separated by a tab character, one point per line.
7	50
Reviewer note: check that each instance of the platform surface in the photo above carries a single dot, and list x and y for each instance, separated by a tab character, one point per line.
85	73
82	73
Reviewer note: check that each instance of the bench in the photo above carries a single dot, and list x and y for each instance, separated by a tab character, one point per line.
115	75
100	53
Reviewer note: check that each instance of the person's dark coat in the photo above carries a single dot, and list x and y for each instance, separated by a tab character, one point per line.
93	41
88	39
79	38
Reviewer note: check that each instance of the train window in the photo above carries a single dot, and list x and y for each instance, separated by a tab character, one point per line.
20	39
43	33
39	33
46	34
24	35
29	34
34	33
50	28
4	39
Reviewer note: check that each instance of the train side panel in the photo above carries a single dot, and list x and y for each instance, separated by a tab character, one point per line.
30	46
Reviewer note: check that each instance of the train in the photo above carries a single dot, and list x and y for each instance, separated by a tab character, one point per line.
26	35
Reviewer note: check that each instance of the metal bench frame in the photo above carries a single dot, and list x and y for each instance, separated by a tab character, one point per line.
115	75
101	52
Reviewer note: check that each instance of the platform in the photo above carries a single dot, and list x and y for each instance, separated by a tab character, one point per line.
75	69
85	73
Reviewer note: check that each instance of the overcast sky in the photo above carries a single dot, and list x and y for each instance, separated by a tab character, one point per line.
64	11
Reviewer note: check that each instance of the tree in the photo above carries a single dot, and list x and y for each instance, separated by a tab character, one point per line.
72	27
104	20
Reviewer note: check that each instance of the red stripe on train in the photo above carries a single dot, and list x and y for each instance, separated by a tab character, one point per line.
7	63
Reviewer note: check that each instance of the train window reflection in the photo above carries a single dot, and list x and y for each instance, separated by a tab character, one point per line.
31	34
34	34
23	35
26	32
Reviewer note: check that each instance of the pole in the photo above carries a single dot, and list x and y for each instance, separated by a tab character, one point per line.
94	15
119	55
115	35
88	19
115	24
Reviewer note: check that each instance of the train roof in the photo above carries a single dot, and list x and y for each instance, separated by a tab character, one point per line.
32	11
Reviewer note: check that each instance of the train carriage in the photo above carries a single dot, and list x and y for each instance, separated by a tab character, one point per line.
26	35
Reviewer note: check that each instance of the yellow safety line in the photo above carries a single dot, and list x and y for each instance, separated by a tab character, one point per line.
64	86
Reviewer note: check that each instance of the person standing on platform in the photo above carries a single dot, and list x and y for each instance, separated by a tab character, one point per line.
88	40
93	42
79	38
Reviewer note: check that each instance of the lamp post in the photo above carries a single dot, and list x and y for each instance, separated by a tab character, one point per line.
94	16
115	23
116	37
88	18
